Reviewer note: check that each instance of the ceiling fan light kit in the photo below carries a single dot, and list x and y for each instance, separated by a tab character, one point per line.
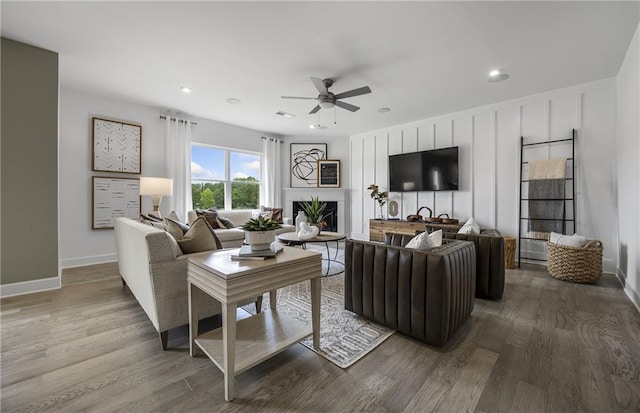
327	100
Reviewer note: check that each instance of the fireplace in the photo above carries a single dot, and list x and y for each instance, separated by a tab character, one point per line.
338	196
330	212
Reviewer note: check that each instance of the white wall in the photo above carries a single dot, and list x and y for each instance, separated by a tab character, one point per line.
488	138
628	149
79	244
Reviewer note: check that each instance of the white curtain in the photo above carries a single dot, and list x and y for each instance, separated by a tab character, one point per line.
179	165
272	182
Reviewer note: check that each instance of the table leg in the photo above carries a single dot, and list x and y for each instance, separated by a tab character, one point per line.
273	299
326	244
193	318
315	310
229	345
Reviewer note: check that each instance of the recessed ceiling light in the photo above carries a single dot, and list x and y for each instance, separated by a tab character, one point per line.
285	114
384	110
498	78
234	101
185	89
494	73
317	127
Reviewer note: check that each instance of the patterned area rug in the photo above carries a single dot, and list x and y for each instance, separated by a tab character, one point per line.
345	337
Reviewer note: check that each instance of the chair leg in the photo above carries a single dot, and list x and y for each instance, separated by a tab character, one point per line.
124	283
164	339
259	304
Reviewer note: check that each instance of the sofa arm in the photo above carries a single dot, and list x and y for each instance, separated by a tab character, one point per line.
425	294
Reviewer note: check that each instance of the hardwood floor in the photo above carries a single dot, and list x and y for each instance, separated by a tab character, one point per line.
549	346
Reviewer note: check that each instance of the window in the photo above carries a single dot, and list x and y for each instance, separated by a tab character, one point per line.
223	177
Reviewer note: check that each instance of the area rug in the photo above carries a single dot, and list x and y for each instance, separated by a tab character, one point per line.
345	337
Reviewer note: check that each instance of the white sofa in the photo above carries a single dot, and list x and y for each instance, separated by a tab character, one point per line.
152	265
234	237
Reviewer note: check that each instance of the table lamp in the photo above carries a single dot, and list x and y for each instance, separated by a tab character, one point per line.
156	188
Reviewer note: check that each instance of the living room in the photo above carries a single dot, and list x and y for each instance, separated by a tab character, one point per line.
600	104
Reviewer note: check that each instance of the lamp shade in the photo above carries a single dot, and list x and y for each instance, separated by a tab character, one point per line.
156	186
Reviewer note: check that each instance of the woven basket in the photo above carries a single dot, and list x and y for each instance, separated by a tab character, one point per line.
575	264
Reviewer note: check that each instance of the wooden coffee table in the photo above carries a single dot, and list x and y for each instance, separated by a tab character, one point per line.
240	345
291	239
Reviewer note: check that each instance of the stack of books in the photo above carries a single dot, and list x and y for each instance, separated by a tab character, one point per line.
245	253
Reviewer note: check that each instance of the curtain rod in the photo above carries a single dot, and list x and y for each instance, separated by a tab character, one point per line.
174	119
272	139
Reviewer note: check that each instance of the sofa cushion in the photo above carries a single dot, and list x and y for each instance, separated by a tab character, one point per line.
233	234
211	215
425	240
175	228
200	237
226	223
276	213
470	227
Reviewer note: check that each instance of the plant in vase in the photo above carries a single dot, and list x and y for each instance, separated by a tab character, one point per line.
314	210
380	197
260	233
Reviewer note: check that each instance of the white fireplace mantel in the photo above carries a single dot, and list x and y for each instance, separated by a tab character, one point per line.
339	195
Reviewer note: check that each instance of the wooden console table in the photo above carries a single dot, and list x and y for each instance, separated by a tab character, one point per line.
240	345
379	227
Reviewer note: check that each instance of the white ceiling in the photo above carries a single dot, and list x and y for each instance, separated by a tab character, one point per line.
420	58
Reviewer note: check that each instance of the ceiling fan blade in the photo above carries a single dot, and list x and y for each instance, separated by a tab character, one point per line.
314	110
297	97
347	106
319	84
355	92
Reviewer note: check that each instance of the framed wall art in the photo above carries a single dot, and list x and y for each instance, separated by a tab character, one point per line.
328	173
113	198
304	163
117	146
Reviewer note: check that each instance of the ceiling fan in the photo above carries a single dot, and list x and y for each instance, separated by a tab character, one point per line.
328	99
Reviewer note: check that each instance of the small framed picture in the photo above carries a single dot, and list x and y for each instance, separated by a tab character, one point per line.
328	173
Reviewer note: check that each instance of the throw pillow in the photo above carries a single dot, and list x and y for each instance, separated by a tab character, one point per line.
574	240
172	215
226	223
276	213
210	215
175	228
426	241
470	227
200	237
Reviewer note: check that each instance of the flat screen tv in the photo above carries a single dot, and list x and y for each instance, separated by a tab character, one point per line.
434	170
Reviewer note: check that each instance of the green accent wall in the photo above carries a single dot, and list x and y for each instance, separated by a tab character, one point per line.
28	163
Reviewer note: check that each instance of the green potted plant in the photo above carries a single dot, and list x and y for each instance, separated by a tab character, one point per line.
380	197
260	232
314	210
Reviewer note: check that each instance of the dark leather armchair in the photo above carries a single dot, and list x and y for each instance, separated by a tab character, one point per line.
489	246
490	261
425	294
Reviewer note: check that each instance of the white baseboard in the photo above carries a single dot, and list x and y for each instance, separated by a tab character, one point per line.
90	260
28	287
633	295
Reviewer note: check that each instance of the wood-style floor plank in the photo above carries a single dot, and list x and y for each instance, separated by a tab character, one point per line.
548	346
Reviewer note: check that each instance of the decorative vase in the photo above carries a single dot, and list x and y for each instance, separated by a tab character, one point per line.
302	217
381	212
260	240
317	225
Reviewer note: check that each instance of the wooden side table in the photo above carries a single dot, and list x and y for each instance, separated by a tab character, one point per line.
240	345
509	253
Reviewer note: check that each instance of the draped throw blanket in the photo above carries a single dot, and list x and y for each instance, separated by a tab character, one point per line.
546	197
